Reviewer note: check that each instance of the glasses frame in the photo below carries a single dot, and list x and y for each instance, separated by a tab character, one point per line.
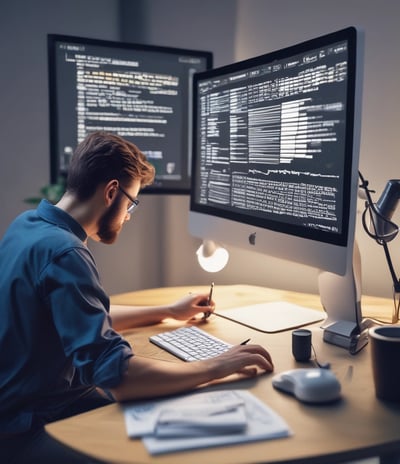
134	201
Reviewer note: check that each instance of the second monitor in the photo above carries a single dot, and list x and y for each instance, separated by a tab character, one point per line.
140	92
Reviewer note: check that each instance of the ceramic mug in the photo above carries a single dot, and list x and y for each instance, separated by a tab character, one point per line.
385	355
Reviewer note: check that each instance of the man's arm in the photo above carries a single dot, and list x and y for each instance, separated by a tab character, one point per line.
147	378
125	317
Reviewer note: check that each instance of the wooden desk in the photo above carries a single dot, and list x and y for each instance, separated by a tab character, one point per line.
358	426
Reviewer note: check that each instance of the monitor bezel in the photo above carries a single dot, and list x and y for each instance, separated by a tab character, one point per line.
340	239
159	187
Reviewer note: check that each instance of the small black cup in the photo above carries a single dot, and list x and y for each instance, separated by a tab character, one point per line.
301	345
385	355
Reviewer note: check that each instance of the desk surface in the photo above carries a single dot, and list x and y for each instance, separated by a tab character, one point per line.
358	426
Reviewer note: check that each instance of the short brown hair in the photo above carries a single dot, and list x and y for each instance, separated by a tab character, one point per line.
103	156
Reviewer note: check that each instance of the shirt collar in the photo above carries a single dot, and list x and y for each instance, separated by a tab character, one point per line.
60	218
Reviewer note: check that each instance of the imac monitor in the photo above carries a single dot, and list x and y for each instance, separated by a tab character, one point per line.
275	164
141	92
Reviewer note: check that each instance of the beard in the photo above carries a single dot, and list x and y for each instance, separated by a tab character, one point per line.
110	224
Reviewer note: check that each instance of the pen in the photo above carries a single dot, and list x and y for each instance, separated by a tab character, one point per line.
209	299
245	342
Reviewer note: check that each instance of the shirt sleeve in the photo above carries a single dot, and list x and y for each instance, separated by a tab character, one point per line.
80	311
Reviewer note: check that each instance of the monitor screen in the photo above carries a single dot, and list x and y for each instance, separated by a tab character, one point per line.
275	160
140	92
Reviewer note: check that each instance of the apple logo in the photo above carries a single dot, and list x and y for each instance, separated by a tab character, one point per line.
252	238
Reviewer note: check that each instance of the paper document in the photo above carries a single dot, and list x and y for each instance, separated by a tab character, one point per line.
201	420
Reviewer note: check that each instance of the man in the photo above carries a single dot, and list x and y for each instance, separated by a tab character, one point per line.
58	342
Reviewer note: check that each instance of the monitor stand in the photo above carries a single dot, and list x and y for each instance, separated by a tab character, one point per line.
341	300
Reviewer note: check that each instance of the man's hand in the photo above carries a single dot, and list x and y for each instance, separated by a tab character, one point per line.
248	360
190	305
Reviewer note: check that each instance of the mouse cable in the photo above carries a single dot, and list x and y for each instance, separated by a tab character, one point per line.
315	360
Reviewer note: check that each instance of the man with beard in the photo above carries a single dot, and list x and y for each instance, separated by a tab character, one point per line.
60	353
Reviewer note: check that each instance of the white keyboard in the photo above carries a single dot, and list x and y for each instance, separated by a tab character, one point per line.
190	343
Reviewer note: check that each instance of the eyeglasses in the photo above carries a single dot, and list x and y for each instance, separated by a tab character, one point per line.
135	202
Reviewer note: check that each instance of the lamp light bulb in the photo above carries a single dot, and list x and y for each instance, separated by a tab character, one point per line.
212	257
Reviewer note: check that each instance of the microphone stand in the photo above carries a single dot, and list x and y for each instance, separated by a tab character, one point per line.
380	216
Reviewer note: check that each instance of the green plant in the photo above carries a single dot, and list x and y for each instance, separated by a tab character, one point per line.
51	192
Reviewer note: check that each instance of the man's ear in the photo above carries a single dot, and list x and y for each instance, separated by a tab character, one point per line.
110	191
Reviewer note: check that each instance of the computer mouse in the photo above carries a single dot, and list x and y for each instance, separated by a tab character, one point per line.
310	385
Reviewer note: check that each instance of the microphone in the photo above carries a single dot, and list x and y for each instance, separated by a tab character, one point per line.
381	225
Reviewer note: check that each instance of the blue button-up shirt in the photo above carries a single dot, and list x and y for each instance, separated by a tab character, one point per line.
55	330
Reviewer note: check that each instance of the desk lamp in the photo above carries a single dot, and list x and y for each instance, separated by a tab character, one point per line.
377	223
212	257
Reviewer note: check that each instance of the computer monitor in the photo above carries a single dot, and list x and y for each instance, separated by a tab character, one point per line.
275	165
140	92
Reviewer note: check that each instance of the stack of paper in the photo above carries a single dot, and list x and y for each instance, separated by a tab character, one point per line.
196	421
201	420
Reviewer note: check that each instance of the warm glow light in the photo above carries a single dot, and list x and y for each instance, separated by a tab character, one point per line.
212	257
